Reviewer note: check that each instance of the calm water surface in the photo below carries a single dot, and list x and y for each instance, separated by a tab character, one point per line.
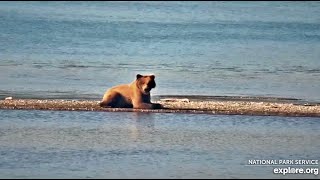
66	144
79	49
76	50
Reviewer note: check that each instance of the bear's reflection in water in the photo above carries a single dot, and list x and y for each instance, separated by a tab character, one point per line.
143	125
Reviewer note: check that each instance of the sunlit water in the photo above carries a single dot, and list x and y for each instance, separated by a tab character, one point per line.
66	144
76	50
79	49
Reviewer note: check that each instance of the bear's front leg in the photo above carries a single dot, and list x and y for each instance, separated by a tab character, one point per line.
142	106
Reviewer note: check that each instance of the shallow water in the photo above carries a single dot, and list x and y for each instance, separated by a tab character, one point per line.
66	144
79	49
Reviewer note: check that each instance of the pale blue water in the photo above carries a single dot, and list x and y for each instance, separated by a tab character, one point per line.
76	50
66	144
79	49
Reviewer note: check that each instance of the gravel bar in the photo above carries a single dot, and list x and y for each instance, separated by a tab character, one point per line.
173	106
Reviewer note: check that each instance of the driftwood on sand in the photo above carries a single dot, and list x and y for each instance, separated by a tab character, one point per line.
174	106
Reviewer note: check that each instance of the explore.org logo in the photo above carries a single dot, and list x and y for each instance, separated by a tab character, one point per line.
288	166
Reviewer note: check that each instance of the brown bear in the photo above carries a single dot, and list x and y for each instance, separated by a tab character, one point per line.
133	95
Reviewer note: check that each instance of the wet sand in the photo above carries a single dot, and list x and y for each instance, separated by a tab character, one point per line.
289	107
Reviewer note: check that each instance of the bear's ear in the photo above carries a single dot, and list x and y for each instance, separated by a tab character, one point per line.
152	76
139	76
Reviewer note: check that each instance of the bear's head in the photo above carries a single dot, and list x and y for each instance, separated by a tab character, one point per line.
145	83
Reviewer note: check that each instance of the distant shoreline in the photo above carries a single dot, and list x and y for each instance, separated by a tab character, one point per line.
182	104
